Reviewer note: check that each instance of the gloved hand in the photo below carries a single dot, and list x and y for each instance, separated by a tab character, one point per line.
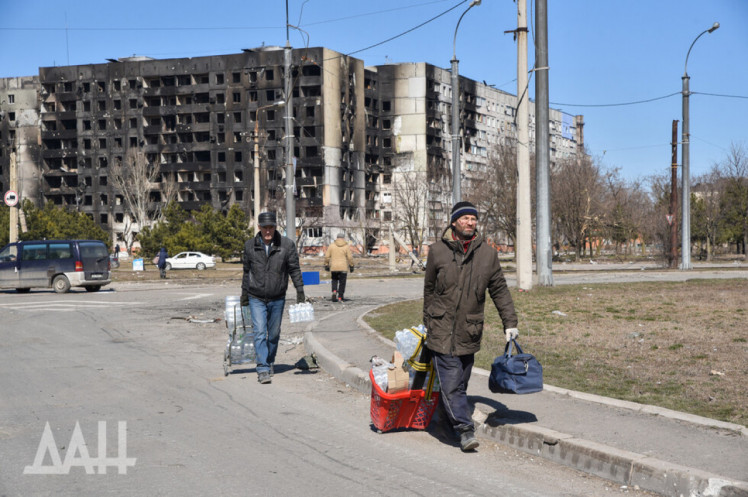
300	297
350	268
511	334
244	301
327	268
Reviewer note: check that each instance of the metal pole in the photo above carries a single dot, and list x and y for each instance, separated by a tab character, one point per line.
13	234
523	249
674	198
456	173
290	176
257	172
542	153
686	151
685	243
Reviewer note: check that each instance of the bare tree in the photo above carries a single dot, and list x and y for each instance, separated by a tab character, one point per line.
577	192
656	227
411	205
626	206
706	210
494	192
134	181
735	204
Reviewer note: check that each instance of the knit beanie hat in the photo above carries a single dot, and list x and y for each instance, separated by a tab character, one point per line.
462	209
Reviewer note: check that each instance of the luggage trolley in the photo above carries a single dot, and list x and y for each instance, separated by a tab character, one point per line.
240	347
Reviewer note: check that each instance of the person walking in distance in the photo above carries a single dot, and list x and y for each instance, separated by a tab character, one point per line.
161	264
460	267
269	260
338	260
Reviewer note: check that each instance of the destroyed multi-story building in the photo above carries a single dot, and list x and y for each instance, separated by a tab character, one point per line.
357	132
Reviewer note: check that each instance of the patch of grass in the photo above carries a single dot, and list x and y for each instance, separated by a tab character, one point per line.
592	349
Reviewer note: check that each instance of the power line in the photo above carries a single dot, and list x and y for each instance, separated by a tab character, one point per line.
651	100
619	104
409	30
718	95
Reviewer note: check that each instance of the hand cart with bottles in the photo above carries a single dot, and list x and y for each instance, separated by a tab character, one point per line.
240	347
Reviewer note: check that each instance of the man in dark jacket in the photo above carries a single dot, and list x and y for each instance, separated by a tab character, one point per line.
269	259
161	264
460	267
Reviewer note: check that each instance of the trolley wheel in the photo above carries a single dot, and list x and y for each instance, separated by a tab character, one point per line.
226	363
225	369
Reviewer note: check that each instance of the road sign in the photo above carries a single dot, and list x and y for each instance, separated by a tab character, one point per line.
669	218
11	198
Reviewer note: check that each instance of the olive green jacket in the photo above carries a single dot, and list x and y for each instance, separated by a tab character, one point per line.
454	294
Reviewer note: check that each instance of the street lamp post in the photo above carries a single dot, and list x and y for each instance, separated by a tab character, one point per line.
256	175
456	174
686	156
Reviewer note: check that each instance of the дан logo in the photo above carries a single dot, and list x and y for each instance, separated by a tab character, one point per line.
77	453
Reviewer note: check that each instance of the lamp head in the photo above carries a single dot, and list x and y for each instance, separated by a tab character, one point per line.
477	2
714	27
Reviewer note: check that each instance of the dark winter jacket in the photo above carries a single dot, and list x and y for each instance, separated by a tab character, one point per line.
162	256
454	294
266	275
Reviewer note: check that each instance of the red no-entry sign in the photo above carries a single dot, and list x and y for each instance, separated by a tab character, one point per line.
11	198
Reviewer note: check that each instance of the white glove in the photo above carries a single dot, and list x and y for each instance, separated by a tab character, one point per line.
511	334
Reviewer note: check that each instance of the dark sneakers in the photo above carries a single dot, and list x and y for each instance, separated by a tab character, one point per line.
264	377
334	297
468	441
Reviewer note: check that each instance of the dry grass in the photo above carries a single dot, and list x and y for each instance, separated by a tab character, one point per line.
682	346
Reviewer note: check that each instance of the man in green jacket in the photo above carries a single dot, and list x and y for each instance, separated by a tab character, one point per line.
460	267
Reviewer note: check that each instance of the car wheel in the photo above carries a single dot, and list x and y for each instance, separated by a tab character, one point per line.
200	266
61	284
167	267
93	288
23	290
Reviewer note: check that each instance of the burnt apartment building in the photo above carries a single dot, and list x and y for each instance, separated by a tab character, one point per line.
19	134
409	138
195	120
362	137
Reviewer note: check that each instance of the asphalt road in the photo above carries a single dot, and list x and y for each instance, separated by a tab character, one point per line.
127	361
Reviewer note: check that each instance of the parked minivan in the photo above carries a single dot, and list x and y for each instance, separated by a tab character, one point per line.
57	264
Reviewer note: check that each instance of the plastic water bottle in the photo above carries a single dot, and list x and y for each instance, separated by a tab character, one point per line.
293	313
308	312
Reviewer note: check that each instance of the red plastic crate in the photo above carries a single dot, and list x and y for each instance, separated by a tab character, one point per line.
407	409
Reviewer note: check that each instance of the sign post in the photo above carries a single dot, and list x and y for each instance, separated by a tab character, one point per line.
11	200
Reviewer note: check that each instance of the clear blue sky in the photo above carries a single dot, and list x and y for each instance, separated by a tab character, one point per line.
601	52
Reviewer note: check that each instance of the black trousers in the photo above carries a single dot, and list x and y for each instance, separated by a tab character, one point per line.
338	282
454	374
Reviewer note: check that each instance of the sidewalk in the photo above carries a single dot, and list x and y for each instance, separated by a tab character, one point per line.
671	453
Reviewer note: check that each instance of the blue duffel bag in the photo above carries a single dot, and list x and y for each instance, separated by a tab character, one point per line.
519	373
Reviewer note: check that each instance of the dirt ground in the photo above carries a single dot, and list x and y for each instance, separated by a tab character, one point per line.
682	346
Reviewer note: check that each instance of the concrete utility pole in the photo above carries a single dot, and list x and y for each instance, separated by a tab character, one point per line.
674	199
290	176
523	250
542	153
14	209
456	169
686	151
